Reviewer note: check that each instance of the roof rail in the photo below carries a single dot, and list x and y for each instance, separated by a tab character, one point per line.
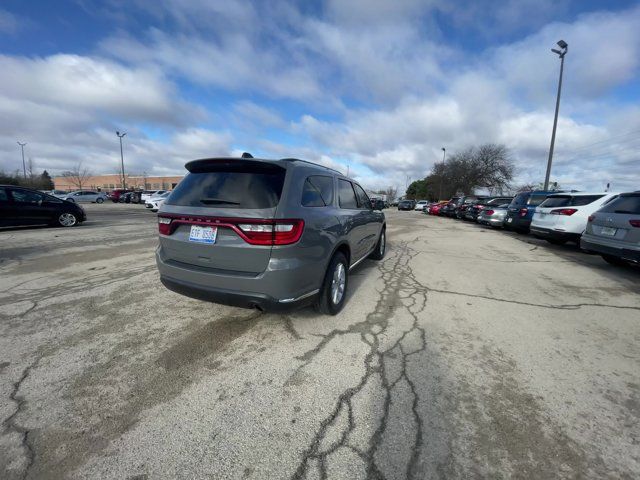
311	163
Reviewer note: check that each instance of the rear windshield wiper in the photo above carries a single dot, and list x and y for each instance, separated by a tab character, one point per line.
217	201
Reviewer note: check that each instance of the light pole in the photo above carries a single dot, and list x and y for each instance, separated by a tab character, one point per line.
444	153
24	168
564	46
120	135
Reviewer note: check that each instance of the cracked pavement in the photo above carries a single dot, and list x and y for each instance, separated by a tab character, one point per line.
465	353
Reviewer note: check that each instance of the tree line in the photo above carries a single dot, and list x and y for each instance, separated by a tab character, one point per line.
489	166
39	181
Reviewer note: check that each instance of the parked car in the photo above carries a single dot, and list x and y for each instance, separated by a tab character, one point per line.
522	208
493	215
378	204
434	209
474	209
449	208
614	230
117	193
406	205
156	202
266	234
563	217
84	196
24	206
462	204
147	194
420	205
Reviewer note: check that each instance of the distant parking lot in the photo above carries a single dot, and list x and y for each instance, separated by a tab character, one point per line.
467	352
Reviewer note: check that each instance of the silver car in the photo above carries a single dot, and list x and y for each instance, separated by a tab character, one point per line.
266	234
493	215
84	196
614	230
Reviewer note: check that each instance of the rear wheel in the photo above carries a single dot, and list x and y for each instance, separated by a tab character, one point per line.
67	219
613	260
381	247
99	200
334	287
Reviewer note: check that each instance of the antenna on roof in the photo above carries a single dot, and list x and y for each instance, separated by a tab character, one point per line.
246	155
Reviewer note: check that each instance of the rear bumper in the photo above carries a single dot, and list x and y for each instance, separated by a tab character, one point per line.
545	233
589	243
235	298
517	223
494	222
274	290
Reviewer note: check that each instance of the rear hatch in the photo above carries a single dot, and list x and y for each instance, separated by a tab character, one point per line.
618	220
556	209
221	216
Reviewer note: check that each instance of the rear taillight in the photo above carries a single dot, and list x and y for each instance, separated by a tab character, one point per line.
480	207
253	231
563	211
164	225
635	223
523	212
591	218
489	212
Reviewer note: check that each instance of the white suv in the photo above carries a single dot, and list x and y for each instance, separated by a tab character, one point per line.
563	217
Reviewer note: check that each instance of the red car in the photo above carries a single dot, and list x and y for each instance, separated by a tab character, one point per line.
435	208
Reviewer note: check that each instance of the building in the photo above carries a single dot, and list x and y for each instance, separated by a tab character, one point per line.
107	183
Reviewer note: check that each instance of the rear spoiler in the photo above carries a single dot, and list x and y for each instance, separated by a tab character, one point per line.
241	165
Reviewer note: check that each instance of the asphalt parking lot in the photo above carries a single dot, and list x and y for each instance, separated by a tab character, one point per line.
466	353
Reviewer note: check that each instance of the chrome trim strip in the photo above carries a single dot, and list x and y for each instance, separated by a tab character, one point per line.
354	264
301	297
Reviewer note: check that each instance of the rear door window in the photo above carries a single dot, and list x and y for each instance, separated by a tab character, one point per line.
363	198
317	191
346	195
230	189
629	204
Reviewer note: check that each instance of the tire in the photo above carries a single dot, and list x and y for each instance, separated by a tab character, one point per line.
325	303
556	241
70	200
613	260
99	200
381	246
66	219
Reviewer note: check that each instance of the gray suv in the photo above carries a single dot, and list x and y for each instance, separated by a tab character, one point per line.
266	234
614	230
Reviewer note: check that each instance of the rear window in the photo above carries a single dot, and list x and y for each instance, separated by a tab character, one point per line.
317	191
229	189
624	204
520	199
570	201
536	200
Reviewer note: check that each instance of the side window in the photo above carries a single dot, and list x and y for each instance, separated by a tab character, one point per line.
346	195
363	198
26	197
4	197
580	200
317	191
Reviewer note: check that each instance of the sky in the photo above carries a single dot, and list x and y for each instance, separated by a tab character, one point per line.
373	87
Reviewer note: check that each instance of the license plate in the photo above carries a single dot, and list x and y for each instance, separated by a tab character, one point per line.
203	234
509	220
608	231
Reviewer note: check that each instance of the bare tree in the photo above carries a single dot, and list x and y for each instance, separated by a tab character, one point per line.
391	193
78	175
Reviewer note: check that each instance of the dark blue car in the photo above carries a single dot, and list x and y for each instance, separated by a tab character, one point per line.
522	208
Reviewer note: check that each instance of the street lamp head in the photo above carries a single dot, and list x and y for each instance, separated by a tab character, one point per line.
444	149
562	44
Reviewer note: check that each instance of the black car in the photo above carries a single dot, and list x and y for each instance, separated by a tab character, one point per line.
406	205
21	206
463	204
449	210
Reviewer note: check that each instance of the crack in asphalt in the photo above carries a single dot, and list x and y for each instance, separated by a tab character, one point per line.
569	306
10	424
399	284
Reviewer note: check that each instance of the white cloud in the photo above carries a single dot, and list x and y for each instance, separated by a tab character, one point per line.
9	23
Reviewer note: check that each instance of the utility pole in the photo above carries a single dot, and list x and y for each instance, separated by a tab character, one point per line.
444	153
348	170
561	53
24	168
120	135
